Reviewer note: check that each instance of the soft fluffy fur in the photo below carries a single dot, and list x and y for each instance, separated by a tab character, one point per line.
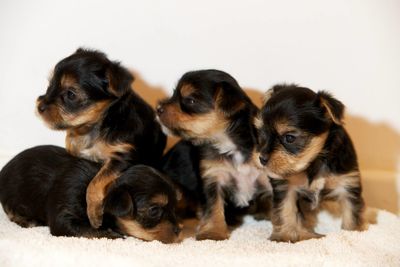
211	111
45	185
91	98
310	157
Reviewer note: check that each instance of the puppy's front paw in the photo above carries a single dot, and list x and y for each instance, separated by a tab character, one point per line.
213	232
94	200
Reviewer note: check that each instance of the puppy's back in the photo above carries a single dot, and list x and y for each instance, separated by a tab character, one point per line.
25	182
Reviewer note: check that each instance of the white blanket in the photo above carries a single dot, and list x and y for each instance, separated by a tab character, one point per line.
248	246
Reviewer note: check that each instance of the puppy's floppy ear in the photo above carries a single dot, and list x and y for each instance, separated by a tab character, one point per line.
119	79
119	203
229	97
334	108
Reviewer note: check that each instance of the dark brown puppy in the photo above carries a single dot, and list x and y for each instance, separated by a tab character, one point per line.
309	157
91	98
211	111
45	185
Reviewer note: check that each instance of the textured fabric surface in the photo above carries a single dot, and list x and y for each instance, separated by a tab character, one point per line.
247	246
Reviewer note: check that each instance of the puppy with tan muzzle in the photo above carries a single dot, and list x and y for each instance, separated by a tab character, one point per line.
45	185
210	111
310	158
91	98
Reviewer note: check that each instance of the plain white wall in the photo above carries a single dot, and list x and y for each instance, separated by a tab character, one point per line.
351	48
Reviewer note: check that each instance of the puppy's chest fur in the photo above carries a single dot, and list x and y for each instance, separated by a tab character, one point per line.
92	147
241	180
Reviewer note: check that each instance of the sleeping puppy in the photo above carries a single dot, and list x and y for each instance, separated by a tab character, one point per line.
309	157
209	110
45	185
90	97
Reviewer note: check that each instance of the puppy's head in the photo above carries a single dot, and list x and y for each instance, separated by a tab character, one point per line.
81	88
143	203
203	104
293	126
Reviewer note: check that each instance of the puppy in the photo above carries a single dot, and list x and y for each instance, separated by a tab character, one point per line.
309	157
90	97
45	185
209	110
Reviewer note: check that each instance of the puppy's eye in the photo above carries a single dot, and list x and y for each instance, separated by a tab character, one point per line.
190	100
289	138
71	95
154	212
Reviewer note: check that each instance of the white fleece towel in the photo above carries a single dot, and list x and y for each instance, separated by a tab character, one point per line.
248	246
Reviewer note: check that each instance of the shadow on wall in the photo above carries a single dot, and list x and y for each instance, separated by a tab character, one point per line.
378	148
377	145
152	94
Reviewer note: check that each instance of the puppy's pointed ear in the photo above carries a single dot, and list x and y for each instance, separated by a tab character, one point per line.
119	79
119	203
334	108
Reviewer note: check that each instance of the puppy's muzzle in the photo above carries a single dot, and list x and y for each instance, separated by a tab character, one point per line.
42	106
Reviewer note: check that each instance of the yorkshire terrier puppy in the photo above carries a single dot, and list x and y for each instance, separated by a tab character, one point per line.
309	157
45	185
210	111
90	97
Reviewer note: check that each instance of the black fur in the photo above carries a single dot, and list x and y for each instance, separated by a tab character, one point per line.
215	94
47	186
128	119
290	119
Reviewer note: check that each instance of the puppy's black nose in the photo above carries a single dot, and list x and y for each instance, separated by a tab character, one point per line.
264	159
42	107
177	229
160	109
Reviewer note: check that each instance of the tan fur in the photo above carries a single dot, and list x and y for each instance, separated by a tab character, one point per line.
199	126
267	95
96	192
162	231
258	123
283	163
330	113
90	115
186	90
244	175
214	227
235	107
160	199
287	226
68	81
18	219
96	150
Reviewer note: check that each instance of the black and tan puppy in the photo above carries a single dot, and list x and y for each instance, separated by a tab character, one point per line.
45	185
210	110
91	98
309	157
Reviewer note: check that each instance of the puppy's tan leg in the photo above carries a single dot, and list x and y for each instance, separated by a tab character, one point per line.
347	190
287	219
353	208
213	225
